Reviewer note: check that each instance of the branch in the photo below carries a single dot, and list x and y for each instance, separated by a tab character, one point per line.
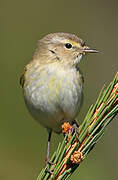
71	152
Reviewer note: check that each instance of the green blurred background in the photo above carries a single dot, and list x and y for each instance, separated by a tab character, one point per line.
22	23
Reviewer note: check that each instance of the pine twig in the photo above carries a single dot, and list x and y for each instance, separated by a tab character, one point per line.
71	152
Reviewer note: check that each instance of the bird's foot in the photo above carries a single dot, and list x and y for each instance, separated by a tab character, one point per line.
75	130
71	129
48	164
47	170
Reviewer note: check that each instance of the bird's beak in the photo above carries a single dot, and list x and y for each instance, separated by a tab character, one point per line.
87	49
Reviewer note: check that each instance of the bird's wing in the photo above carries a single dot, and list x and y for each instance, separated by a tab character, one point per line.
22	78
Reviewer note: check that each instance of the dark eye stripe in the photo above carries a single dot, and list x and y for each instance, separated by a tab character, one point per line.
83	43
68	45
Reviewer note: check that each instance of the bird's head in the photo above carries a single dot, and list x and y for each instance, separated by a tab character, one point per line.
62	47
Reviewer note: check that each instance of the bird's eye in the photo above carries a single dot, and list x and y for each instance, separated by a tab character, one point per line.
68	45
83	44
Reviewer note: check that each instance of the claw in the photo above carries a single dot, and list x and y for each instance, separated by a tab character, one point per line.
75	127
75	130
71	129
47	170
48	164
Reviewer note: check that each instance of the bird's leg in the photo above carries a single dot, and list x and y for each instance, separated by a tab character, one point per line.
75	127
48	153
48	148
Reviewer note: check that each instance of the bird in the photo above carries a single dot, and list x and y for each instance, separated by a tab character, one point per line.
52	81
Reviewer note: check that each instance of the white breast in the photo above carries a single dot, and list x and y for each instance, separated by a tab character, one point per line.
54	95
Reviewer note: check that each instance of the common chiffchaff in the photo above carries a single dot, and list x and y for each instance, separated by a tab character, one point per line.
52	83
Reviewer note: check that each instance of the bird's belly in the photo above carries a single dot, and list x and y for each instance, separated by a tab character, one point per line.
53	99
